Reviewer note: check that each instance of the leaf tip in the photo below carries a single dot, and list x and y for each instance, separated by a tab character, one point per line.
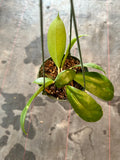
25	132
58	16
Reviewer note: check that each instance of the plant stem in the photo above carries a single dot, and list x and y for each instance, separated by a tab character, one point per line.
58	70
76	32
42	42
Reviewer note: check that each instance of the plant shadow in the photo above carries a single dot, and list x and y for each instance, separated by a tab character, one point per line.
34	51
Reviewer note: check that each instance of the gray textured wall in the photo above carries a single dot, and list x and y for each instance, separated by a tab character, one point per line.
20	58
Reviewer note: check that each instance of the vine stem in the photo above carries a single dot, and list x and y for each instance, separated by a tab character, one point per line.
78	43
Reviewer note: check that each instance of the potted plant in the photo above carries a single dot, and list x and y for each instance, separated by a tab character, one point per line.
64	79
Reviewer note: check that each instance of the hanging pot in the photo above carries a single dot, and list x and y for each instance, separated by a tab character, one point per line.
51	72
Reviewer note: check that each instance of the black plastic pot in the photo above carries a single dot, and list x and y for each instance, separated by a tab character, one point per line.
40	75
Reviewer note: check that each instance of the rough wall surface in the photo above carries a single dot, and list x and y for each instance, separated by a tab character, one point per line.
20	59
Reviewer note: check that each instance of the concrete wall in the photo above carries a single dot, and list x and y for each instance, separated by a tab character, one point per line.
47	121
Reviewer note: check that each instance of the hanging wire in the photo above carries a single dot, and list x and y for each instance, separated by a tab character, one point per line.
42	41
76	32
69	105
70	29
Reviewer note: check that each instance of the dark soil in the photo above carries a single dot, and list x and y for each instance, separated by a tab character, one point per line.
51	72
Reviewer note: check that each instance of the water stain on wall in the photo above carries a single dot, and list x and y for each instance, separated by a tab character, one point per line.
15	102
19	149
3	141
34	52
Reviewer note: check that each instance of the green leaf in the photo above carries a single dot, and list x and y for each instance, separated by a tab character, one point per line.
56	40
97	84
41	81
83	104
67	51
24	112
64	78
90	65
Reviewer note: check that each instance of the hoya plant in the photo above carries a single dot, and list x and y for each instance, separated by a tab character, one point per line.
80	99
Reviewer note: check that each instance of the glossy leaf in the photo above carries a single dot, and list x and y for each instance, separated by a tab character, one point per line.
83	104
97	84
90	65
64	78
56	40
24	112
41	81
67	51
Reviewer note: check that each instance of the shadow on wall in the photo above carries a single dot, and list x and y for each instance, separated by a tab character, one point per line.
14	104
17	153
64	103
34	52
115	103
